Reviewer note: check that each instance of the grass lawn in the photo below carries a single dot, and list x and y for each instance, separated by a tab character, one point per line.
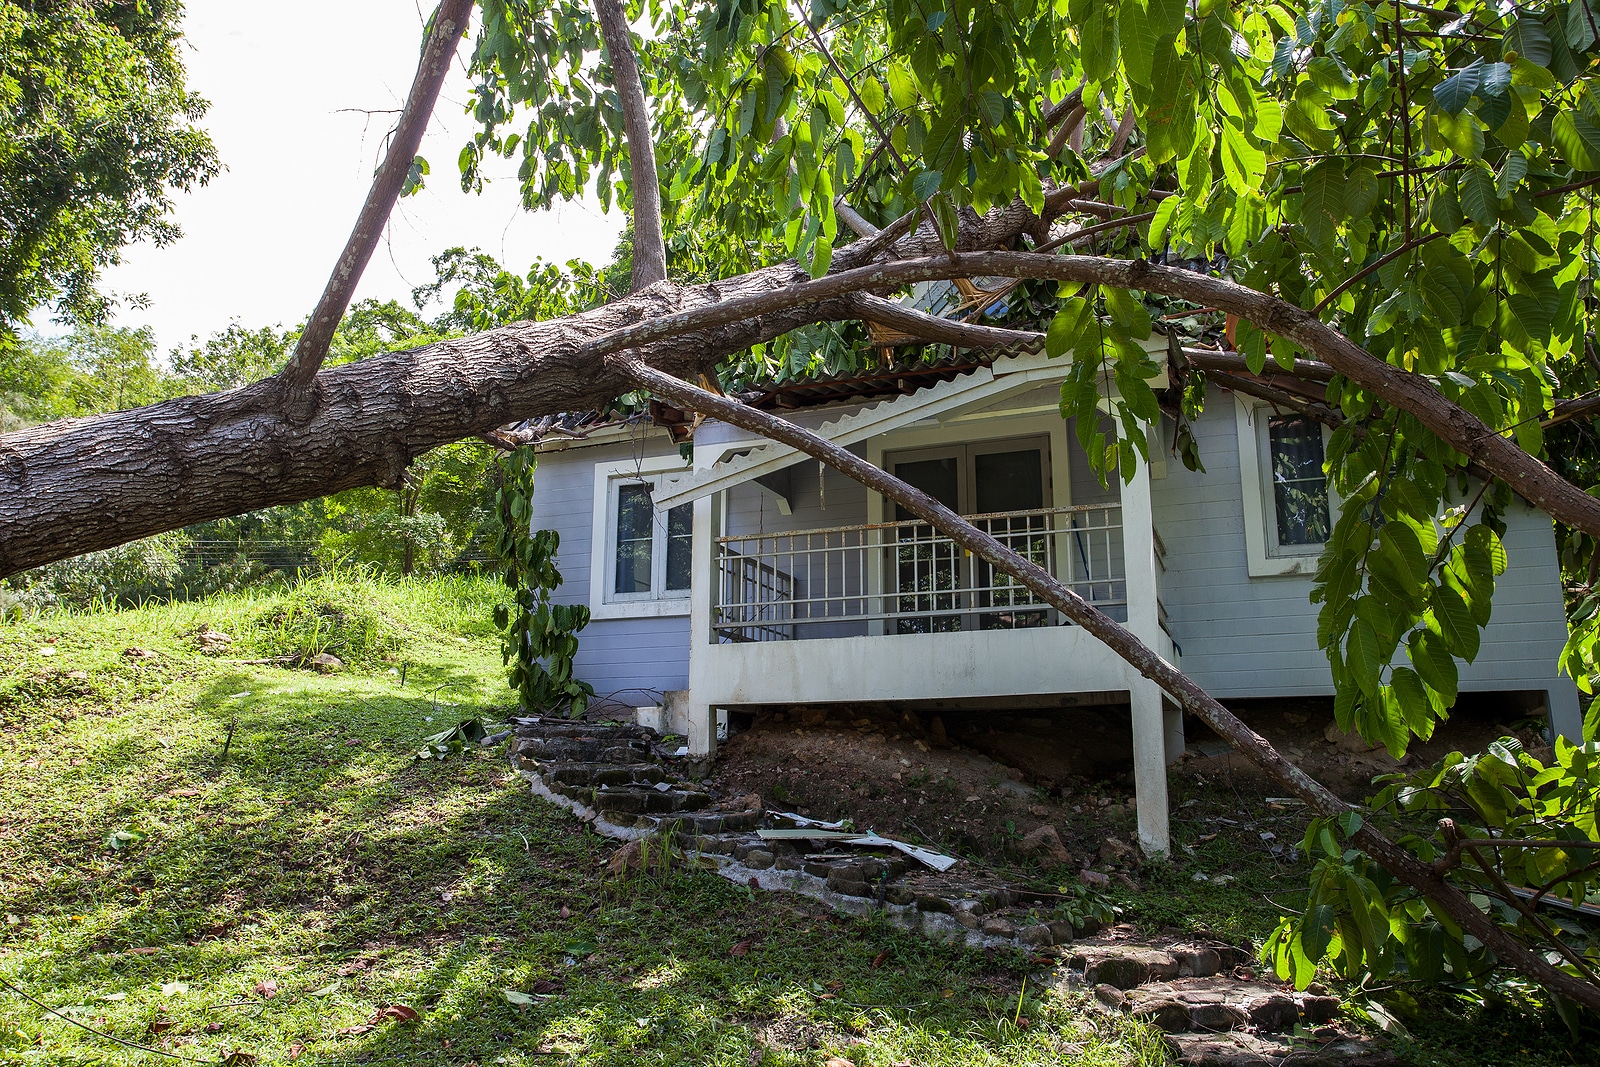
276	902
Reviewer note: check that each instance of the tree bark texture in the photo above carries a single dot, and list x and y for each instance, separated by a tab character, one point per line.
1397	860
449	23
649	249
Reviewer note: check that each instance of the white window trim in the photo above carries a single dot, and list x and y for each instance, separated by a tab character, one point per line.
1264	557
603	603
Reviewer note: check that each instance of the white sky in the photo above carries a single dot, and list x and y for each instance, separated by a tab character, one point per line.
261	239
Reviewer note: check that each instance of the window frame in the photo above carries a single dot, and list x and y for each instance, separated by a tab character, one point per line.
1265	557
604	601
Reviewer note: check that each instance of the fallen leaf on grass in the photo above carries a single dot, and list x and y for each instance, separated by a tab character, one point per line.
877	961
517	997
266	989
161	1026
295	1050
173	989
353	1031
566	912
838	1061
213	1028
183	792
114	996
325	990
353	967
397	1012
741	948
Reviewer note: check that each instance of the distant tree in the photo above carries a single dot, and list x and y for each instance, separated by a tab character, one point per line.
98	131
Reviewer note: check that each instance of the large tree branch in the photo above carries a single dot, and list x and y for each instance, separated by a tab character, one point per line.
449	23
1398	861
79	485
1411	393
649	249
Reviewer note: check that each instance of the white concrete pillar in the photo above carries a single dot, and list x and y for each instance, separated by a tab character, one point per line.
1150	764
1155	733
702	714
1566	715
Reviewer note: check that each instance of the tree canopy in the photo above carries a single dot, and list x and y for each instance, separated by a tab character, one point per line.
98	130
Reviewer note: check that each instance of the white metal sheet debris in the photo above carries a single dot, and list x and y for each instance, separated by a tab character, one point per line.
936	860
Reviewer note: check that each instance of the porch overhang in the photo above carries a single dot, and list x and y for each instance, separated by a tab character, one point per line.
741	461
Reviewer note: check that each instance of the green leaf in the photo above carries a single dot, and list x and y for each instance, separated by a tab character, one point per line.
1363	656
1529	40
1322	202
1128	311
1435	664
902	86
1453	621
1578	139
1411	697
1478	199
870	90
1453	93
1071	318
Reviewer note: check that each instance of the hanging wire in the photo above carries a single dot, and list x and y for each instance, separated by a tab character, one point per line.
42	1006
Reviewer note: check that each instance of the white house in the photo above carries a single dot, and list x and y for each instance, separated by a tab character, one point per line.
749	576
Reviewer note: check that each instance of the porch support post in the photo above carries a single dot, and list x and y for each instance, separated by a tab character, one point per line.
702	714
1148	705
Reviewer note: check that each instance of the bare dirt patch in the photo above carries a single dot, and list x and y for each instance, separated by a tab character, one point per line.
920	777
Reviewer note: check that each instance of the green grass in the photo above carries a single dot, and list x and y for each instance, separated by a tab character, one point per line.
320	856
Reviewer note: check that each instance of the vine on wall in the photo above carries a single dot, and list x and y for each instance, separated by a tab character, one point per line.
539	638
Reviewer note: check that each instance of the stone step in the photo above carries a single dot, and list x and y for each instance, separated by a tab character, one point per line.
1125	967
557	729
633	800
581	750
601	774
1217	1004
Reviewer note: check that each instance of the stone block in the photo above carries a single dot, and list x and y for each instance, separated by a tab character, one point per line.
1273	1013
759	859
1061	932
1170	1016
1038	936
1320	1009
998	927
1111	997
1198	962
934	903
968	919
899	894
848	880
1217	1017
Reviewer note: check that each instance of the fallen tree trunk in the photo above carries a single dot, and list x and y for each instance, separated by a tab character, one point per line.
1397	860
78	485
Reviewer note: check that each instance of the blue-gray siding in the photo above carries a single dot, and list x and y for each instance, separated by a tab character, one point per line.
1245	637
631	660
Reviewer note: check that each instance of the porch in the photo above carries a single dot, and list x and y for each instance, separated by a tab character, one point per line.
786	607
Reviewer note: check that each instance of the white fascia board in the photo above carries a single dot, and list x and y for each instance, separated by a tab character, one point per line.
1007	375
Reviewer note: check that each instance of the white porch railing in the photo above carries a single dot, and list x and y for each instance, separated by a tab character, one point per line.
906	578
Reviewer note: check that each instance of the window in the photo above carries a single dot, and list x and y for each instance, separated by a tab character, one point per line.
641	555
643	540
1299	488
1288	509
